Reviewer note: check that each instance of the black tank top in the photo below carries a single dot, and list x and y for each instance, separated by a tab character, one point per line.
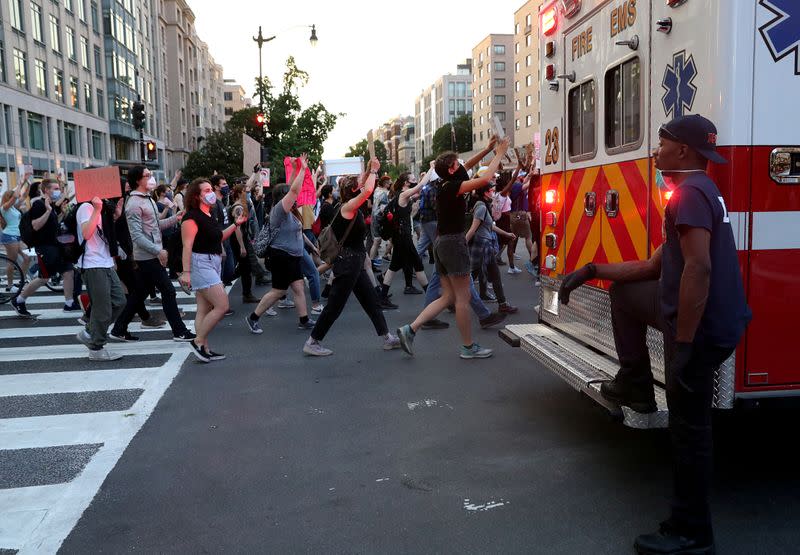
209	234
357	235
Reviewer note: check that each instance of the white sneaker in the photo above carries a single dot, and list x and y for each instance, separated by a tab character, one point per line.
271	312
84	337
390	342
103	355
513	271
315	349
286	303
317	309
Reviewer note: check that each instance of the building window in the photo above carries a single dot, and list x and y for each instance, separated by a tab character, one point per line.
95	17
528	19
40	71
516	28
87	97
20	69
516	48
461	107
70	139
480	88
499	66
55	35
85	52
81	11
499	83
37	27
228	97
98	61
480	105
528	41
528	120
228	111
35	131
516	105
581	121
623	105
516	67
97	145
15	14
499	99
528	60
71	44
101	104
499	49
461	89
500	115
58	84
73	92
516	124
2	64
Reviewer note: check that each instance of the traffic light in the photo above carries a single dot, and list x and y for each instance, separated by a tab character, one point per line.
151	152
261	120
138	115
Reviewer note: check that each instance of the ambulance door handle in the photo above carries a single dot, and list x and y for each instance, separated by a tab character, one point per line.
633	43
612	203
590	203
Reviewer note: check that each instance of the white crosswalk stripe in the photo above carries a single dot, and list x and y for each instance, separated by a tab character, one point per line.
52	398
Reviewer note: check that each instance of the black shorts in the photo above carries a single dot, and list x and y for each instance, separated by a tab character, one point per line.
404	254
285	268
452	255
52	261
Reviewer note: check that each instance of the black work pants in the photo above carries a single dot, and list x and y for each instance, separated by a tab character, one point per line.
350	277
690	393
243	269
150	273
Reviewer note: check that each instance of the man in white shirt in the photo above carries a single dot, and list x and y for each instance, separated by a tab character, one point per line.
96	234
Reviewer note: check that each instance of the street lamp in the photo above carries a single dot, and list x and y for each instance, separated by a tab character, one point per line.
260	40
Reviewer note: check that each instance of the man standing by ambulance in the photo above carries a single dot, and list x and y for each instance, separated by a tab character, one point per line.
690	289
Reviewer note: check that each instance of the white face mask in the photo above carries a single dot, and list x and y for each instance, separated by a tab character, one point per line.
152	183
210	198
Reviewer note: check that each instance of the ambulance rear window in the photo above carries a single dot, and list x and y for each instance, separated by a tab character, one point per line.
581	143
623	107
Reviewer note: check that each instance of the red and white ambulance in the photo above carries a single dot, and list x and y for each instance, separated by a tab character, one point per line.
612	71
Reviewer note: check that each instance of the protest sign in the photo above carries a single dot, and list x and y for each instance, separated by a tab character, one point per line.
344	166
308	194
98	182
264	177
370	145
251	153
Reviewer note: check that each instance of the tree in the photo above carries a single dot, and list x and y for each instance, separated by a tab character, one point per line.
290	130
443	137
361	149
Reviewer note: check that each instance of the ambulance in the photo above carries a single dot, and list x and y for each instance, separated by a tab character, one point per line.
612	72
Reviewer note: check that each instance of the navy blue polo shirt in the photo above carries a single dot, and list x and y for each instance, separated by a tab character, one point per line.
698	203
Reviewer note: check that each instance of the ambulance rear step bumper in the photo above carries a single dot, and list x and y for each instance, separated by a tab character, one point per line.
582	368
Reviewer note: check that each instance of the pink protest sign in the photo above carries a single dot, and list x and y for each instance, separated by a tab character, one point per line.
308	194
98	182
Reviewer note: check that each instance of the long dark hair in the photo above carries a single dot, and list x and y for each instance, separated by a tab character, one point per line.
192	193
397	187
348	188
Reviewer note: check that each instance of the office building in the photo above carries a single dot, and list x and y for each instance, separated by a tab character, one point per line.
492	87
235	98
526	73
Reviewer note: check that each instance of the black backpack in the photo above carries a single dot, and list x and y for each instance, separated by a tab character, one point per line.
73	249
388	220
26	232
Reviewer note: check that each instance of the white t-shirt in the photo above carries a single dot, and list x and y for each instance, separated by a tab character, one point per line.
96	253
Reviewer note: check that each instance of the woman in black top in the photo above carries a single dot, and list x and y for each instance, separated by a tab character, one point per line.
348	268
404	252
240	240
202	254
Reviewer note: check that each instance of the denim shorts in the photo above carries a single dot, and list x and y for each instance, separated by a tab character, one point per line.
452	255
9	239
206	270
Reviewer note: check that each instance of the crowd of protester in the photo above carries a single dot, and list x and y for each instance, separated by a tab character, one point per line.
128	252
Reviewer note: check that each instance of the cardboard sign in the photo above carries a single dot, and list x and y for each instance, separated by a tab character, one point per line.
537	145
370	145
498	128
264	177
99	182
343	166
251	153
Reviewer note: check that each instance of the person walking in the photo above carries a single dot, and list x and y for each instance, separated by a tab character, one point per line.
691	290
451	250
350	274
149	257
241	239
10	210
427	214
96	233
285	253
380	199
202	254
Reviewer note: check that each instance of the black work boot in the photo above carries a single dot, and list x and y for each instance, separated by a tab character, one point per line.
636	396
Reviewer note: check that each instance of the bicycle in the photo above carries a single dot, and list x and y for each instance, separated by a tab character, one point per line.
10	288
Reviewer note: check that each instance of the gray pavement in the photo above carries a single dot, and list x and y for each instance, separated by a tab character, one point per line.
375	452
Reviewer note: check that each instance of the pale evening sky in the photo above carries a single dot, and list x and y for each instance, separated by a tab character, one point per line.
372	58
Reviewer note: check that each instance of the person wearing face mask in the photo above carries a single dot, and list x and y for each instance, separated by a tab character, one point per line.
220	213
451	250
691	290
202	255
149	256
44	219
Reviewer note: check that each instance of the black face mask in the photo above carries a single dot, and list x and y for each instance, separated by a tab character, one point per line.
460	175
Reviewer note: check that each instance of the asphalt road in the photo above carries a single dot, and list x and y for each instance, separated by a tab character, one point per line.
373	452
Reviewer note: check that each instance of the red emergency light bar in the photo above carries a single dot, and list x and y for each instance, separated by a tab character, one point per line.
550	20
550	196
571	7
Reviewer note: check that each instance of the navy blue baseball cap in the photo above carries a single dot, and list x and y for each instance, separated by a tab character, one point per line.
695	131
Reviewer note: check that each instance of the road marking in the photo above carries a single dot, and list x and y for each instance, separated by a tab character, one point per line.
59	314
72	382
56	331
481	507
63	429
56	352
428	403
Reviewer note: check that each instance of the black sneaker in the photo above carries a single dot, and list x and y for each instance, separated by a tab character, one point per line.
492	320
126	337
411	290
199	351
20	308
386	304
215	356
435	324
74	308
638	398
308	325
184	337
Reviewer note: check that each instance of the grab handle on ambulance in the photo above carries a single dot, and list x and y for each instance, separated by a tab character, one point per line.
590	203
612	203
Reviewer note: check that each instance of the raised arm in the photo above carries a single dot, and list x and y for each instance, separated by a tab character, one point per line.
351	206
478	182
475	160
297	183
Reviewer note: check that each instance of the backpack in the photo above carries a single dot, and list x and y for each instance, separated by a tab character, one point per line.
73	249
26	232
123	234
388	221
329	246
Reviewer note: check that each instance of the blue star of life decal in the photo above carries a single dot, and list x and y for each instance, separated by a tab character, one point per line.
678	78
782	33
